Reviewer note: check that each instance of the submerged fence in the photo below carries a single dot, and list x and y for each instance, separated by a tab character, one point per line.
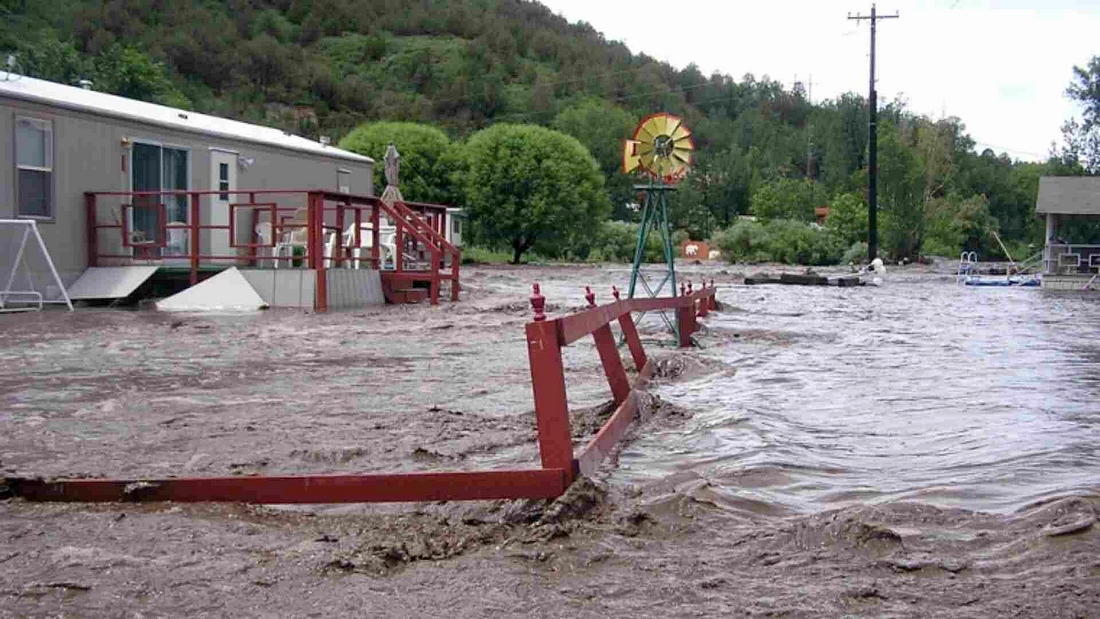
546	337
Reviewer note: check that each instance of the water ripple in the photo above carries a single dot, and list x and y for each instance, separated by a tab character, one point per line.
976	398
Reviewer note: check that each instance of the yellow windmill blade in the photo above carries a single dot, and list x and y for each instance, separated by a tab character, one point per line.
680	132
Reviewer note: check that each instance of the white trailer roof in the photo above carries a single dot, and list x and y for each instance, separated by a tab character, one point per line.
71	97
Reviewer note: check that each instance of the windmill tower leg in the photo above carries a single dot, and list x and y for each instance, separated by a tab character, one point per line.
654	220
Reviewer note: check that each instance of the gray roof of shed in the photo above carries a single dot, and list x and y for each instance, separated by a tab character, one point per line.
1069	195
70	97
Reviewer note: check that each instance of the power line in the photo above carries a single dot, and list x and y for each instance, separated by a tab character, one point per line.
872	122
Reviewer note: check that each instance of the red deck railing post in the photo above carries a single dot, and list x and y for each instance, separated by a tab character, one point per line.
315	247
338	242
456	258
196	212
548	387
90	230
435	276
375	236
399	241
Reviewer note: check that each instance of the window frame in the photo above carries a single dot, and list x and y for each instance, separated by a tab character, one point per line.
51	168
223	183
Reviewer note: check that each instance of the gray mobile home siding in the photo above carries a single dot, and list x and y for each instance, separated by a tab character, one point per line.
88	153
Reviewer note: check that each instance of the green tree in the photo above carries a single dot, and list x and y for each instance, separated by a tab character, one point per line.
47	57
528	186
127	72
848	217
901	192
1081	140
602	127
425	167
784	198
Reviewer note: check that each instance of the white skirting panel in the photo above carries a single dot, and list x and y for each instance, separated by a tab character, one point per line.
347	288
283	287
352	288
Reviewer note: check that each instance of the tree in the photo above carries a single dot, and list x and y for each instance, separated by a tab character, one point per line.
901	192
425	172
528	186
47	57
784	198
1081	140
848	217
602	127
127	72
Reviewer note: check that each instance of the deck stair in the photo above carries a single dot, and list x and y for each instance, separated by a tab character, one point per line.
424	259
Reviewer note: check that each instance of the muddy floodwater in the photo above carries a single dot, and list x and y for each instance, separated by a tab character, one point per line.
918	449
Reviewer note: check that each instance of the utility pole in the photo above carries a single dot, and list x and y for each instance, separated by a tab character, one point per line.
872	124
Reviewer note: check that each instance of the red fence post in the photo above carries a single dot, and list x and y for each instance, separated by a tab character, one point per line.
92	241
196	212
683	322
548	386
609	356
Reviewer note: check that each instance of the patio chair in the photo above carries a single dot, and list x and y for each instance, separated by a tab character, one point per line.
295	233
386	243
177	240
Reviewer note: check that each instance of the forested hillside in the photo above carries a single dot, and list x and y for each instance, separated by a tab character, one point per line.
323	67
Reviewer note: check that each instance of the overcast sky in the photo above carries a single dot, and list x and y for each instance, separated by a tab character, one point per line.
1002	67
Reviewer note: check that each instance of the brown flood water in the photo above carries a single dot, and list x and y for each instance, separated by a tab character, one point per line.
914	450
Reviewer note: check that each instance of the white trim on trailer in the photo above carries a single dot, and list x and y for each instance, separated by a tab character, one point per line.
70	97
32	226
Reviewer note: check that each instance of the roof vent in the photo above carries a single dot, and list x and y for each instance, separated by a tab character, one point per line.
325	140
85	84
182	115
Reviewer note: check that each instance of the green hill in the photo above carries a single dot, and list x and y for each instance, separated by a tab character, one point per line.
322	67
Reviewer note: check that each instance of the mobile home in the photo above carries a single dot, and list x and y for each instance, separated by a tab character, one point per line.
117	182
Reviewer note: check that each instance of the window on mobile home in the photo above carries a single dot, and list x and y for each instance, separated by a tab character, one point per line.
34	167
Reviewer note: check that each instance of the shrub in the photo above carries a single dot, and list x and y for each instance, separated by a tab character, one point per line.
784	198
848	217
855	254
782	240
615	242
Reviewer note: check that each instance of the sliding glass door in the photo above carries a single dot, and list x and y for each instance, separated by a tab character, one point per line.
159	168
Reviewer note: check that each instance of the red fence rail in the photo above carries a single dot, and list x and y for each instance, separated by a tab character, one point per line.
560	464
322	215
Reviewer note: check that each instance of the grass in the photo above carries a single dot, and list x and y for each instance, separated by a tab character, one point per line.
482	255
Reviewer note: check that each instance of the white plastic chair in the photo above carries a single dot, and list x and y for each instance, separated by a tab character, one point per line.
177	240
386	243
291	238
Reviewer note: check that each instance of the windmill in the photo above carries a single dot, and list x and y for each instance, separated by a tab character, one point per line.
661	148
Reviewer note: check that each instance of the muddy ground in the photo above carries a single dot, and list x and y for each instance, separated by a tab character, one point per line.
118	393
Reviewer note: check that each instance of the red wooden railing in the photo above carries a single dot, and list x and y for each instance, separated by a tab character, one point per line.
560	465
325	213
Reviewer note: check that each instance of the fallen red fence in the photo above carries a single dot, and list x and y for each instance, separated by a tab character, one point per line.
560	467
